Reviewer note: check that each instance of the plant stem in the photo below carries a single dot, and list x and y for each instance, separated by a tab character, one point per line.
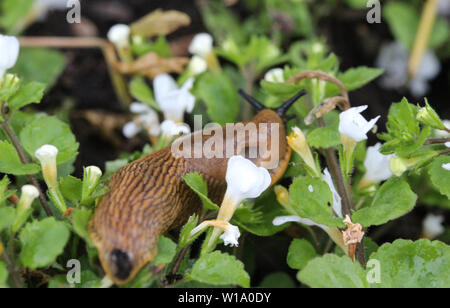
437	141
105	46
343	190
23	158
179	260
427	21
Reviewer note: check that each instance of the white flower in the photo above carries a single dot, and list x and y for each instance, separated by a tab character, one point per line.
9	51
446	166
46	154
197	65
280	220
377	165
146	119
447	144
393	58
173	101
432	225
119	35
201	45
231	235
353	125
29	192
245	180
275	75
170	128
93	174
337	201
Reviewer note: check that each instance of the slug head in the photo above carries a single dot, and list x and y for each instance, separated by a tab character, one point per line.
277	153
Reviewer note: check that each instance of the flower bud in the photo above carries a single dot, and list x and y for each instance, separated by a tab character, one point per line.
91	178
297	141
282	195
398	166
119	35
428	116
47	156
23	211
201	44
275	75
197	65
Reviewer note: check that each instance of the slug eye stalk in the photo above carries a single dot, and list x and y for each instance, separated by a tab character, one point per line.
280	110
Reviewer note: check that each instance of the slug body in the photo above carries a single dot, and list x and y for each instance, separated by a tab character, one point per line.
148	197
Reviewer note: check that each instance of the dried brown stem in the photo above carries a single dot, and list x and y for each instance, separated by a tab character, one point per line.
326	77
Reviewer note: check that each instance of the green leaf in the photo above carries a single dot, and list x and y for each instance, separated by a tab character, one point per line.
264	211
7	215
277	280
440	177
142	92
42	242
3	274
282	90
403	136
403	20
219	268
4	193
50	130
300	253
407	264
324	137
315	204
71	189
220	97
184	238
13	12
166	251
10	161
198	184
27	94
354	79
40	65
394	199
80	221
331	271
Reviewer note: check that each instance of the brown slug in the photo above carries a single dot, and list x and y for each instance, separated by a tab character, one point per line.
148	197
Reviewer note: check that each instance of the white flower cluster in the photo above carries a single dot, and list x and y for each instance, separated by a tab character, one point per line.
394	57
201	47
173	101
